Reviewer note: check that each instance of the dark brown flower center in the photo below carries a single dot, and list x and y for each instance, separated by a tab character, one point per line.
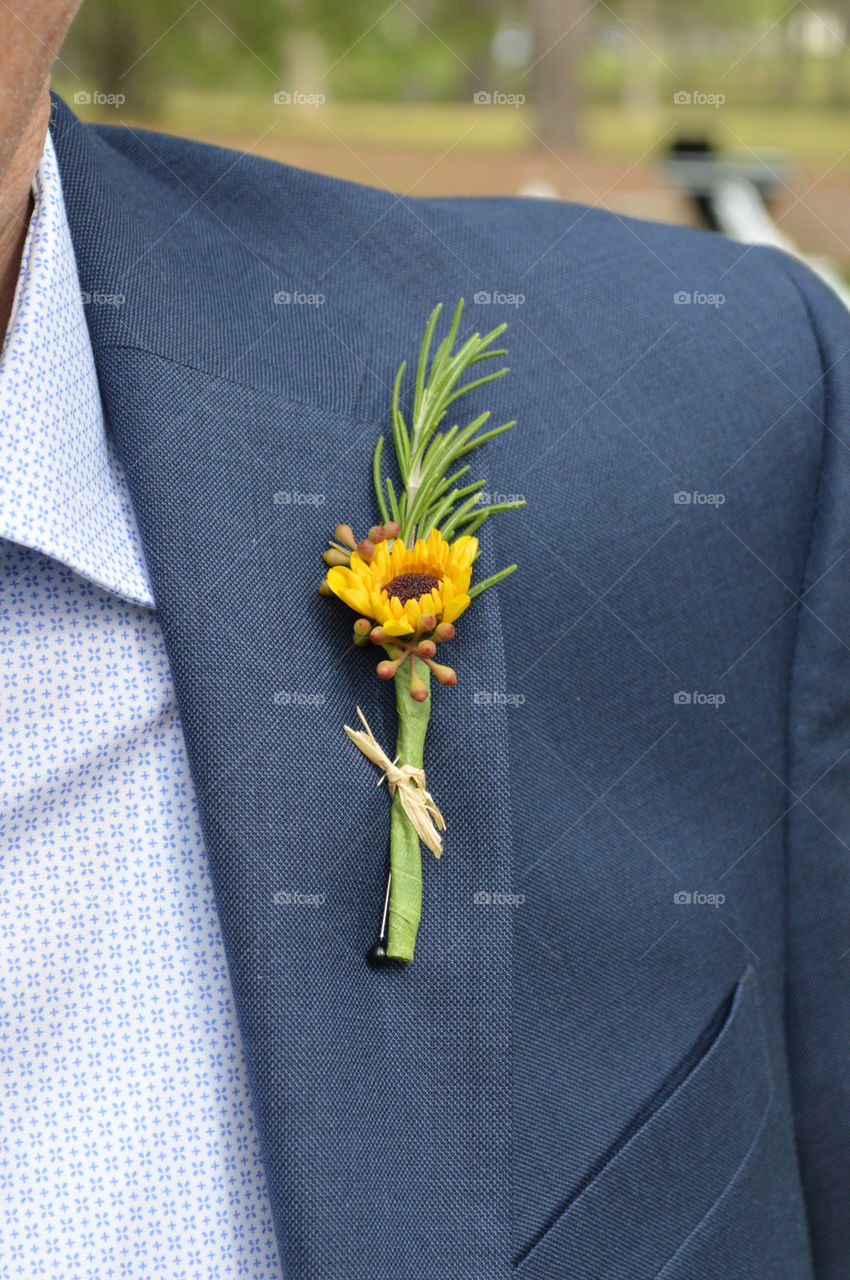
410	586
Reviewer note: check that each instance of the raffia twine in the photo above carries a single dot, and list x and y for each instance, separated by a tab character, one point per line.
408	781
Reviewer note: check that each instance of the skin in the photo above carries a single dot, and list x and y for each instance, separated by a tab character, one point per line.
31	34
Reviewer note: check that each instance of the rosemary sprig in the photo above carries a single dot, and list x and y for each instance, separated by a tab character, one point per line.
425	455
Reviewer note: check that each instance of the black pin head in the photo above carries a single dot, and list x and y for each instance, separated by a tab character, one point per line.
376	957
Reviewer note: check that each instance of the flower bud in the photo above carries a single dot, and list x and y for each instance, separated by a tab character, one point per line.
386	670
426	649
445	631
427	622
362	627
445	675
379	635
392	529
324	589
377	533
418	691
334	556
366	549
345	534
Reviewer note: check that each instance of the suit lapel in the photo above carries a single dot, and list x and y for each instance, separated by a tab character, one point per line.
382	1099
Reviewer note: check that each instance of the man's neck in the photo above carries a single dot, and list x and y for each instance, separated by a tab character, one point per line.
16	207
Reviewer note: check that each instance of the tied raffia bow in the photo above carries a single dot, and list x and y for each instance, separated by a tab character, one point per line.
409	782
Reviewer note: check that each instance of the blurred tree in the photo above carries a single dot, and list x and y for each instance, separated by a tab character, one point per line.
410	48
560	30
142	47
840	89
636	51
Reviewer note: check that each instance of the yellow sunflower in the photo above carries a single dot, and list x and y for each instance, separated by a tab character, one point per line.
399	584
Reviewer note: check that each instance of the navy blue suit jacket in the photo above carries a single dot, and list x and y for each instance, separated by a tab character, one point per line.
634	1061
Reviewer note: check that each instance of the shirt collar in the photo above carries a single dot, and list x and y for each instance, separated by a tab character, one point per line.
62	490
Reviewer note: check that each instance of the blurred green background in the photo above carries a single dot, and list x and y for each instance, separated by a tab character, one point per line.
570	98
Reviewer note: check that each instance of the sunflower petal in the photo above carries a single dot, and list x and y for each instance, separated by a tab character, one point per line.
455	608
464	551
349	588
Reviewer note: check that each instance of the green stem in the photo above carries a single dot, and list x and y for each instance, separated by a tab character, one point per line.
405	854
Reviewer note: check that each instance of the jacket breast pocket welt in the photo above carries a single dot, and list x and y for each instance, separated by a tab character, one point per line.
663	1180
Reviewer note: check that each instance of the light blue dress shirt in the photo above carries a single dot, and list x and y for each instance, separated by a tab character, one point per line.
127	1141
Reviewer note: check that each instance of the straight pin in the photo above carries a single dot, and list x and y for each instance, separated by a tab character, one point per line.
377	957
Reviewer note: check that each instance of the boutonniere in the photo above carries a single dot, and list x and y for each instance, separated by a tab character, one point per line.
409	581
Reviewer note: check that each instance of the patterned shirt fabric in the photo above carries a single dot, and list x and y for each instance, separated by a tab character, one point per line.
127	1140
